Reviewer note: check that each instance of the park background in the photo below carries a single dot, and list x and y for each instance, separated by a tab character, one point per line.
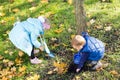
103	21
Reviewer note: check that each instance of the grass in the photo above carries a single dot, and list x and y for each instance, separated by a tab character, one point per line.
61	15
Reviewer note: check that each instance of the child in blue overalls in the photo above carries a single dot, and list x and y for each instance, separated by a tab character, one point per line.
24	36
90	50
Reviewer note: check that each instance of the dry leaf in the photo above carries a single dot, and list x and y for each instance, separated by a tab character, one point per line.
58	31
32	8
44	1
1	7
22	69
10	63
61	67
92	21
69	30
20	53
15	10
2	14
1	57
114	72
6	50
30	0
50	72
77	77
108	28
18	61
13	69
72	36
5	60
70	1
4	78
34	77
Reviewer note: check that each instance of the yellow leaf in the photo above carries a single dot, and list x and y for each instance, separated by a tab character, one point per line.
2	14
10	63
4	78
30	0
6	51
15	10
1	7
5	60
70	1
34	77
72	36
13	69
32	8
1	57
44	1
21	69
18	61
58	31
61	67
77	77
114	72
20	53
50	72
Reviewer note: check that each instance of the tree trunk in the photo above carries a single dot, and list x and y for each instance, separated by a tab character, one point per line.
80	16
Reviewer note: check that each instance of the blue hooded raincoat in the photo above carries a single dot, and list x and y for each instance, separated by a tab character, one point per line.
24	34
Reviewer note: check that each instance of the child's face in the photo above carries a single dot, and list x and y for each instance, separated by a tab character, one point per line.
77	46
46	26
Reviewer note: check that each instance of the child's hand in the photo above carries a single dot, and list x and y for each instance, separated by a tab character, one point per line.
41	48
77	70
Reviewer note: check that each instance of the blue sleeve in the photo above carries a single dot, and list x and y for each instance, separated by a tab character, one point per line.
34	40
83	59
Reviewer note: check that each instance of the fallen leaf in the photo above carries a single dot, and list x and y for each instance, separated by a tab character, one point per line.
108	28
18	61
44	1
32	8
10	63
49	72
58	31
5	60
2	14
77	77
61	67
13	69
72	36
16	10
114	72
34	77
1	8
4	78
1	57
70	1
21	69
69	30
30	0
92	21
20	53
6	50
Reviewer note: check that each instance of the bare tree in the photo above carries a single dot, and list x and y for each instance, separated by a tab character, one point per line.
80	16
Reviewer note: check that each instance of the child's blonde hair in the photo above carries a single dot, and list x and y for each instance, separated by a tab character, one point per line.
78	40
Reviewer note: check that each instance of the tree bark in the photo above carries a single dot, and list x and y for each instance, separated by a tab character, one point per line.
80	16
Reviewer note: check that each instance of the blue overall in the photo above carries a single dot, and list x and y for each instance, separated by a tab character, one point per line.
93	50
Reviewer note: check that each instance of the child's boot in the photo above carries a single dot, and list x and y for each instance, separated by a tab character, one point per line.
97	66
35	60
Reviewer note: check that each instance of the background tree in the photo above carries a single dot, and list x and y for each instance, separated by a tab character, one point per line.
80	16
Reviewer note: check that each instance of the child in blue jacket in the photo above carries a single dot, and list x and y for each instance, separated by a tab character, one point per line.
24	36
90	51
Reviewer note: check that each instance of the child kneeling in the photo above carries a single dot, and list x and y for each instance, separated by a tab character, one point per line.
90	51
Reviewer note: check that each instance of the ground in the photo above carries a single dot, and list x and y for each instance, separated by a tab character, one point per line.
103	23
